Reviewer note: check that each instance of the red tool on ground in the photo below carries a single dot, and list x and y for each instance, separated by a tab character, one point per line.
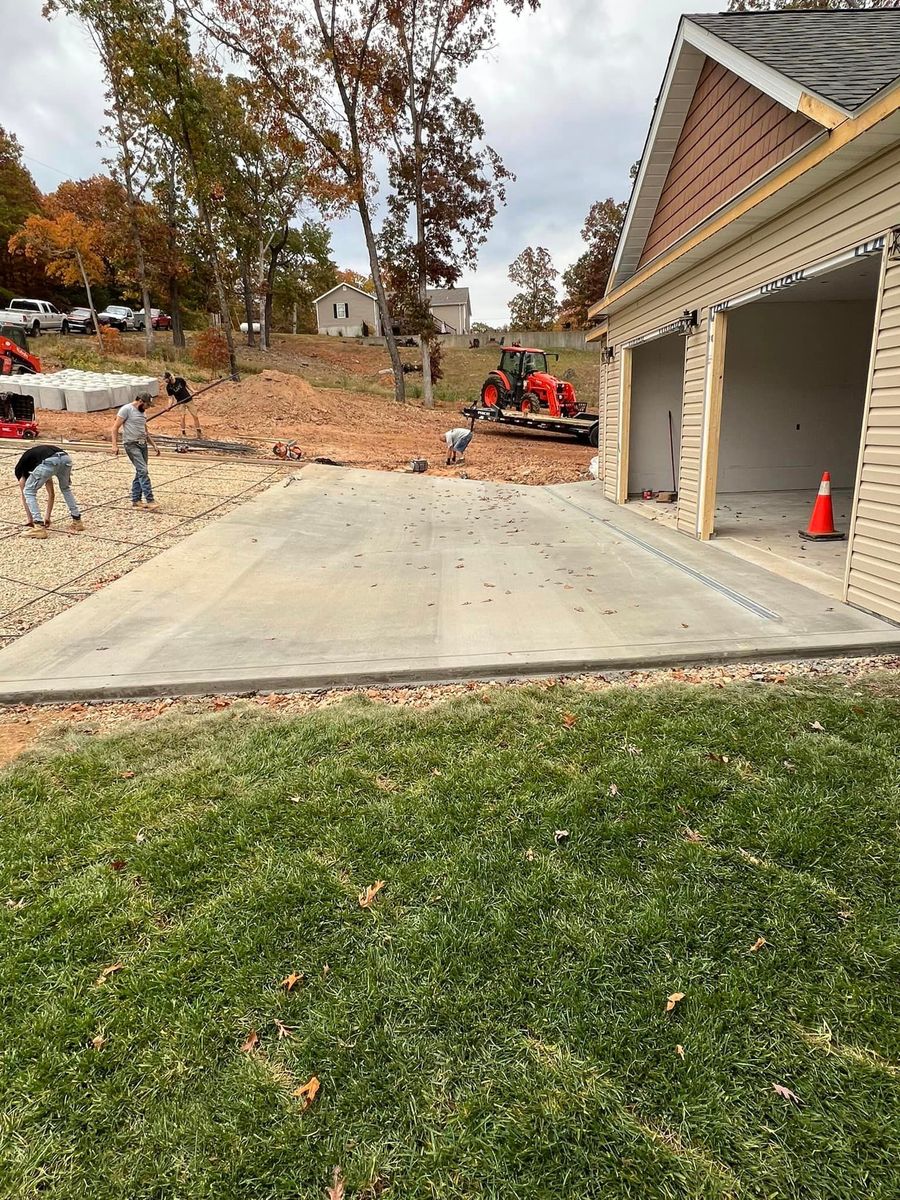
821	525
16	411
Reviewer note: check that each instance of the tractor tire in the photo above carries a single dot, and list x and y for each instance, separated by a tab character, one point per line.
594	434
36	329
530	404
64	329
493	395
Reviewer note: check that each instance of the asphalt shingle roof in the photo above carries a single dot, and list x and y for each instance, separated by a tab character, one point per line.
448	295
845	56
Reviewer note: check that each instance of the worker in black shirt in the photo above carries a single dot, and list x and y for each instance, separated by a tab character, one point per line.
178	389
37	468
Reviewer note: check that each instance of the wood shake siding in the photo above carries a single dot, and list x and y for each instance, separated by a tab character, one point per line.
874	564
733	134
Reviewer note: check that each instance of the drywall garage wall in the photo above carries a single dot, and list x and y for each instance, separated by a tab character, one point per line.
790	365
657	384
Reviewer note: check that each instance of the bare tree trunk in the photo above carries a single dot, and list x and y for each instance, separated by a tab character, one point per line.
381	296
90	298
248	299
275	248
175	313
294	322
263	331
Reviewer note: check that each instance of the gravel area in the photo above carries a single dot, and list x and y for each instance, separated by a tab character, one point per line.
39	579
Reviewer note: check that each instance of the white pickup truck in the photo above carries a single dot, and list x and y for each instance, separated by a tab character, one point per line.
119	317
35	317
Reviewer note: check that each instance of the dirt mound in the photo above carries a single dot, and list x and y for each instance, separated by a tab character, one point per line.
271	397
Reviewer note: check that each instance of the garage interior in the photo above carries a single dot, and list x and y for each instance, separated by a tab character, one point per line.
657	388
796	375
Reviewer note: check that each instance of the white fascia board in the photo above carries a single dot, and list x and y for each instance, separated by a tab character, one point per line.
351	286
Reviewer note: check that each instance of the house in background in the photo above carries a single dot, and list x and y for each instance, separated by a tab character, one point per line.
347	311
751	324
452	309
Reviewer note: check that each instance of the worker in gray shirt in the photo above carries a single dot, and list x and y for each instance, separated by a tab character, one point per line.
135	437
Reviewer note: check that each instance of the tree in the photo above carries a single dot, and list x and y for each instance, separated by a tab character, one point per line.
585	281
356	279
19	199
67	248
444	183
307	271
534	307
757	5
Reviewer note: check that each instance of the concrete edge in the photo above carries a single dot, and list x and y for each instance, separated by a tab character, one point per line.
858	647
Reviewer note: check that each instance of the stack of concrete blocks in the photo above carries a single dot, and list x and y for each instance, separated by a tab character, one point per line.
84	391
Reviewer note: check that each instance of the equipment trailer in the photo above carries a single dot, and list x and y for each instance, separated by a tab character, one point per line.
585	427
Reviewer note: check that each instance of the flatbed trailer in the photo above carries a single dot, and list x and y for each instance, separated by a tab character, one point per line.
585	427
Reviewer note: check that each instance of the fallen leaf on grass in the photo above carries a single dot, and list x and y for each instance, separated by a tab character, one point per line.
307	1092
817	727
569	719
790	767
679	1050
283	1030
99	1041
336	1191
367	897
674	999
785	1093
126	774
140	837
118	864
719	758
250	1043
613	790
16	904
290	981
107	971
757	945
561	836
326	970
634	751
691	835
386	785
529	855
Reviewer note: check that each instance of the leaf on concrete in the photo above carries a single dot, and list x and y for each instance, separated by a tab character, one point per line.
284	1031
785	1093
674	999
757	945
569	719
250	1042
99	1041
290	981
679	1050
367	898
107	971
336	1191
307	1092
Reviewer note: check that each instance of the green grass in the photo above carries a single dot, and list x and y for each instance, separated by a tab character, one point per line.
494	1027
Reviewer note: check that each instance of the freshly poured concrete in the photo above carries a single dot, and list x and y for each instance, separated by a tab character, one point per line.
341	577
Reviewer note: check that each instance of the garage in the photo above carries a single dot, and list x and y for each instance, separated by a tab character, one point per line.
657	385
793	400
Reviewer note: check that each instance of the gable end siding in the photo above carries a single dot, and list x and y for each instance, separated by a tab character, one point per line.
732	136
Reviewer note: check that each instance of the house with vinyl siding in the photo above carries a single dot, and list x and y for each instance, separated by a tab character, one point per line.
347	311
750	331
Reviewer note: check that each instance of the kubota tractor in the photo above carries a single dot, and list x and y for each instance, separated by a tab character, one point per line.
15	358
522	382
16	411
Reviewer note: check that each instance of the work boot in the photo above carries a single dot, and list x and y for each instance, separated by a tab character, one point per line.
37	531
151	506
76	525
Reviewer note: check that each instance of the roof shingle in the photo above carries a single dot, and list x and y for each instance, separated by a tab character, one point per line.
846	56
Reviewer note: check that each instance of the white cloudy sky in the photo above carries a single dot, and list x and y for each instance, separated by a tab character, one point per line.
566	96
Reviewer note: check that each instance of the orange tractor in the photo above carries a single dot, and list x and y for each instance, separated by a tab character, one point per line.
16	411
522	382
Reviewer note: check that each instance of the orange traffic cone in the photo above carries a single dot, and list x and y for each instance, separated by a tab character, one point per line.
821	524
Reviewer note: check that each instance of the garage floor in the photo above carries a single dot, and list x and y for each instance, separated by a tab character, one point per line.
339	577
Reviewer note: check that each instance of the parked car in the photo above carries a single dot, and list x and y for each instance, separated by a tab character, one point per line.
81	321
35	317
160	319
117	316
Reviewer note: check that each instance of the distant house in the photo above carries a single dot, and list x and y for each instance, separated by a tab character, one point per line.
452	309
347	311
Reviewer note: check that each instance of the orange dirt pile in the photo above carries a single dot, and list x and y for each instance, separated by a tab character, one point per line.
353	428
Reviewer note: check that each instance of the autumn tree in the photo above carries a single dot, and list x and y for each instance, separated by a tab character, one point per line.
119	29
534	306
356	279
779	5
446	183
585	281
307	270
19	199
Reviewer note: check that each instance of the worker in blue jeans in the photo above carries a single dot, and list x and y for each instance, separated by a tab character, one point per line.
135	436
37	468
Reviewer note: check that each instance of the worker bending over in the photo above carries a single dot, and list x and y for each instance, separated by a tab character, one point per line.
135	436
178	389
37	468
457	444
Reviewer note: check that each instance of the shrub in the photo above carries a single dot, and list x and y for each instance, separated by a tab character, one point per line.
209	349
110	339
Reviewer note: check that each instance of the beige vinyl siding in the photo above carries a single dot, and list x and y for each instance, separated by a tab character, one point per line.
692	429
360	309
874	560
611	429
859	206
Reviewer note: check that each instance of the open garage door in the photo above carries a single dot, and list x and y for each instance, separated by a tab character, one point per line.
793	399
657	389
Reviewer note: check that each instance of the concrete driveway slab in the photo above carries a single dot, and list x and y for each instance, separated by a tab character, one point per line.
344	577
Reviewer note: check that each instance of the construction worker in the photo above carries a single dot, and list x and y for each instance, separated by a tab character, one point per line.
178	389
457	444
37	468
135	436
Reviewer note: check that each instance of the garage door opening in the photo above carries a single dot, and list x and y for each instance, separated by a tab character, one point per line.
795	381
657	388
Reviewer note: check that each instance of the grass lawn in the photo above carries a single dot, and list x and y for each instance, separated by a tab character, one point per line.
494	1024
